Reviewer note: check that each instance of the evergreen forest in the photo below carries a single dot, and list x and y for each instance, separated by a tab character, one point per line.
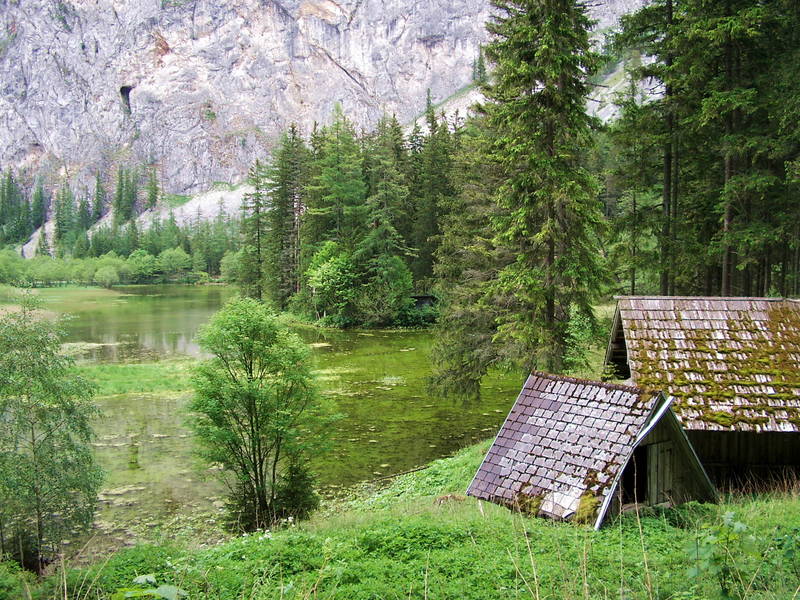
493	244
517	219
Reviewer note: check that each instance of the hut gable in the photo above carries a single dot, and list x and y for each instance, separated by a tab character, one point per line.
564	446
732	364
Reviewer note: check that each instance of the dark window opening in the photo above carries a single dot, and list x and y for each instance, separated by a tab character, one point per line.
125	94
618	357
634	478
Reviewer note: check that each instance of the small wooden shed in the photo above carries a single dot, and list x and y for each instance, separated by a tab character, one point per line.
577	449
733	367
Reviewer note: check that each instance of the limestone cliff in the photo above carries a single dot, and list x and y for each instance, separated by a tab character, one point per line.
200	88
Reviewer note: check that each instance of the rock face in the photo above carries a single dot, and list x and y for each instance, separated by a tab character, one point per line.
200	88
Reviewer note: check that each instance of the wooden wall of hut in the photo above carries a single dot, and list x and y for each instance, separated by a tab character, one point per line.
664	460
741	459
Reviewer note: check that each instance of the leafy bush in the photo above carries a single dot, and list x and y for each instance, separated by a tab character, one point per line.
256	398
11	581
107	277
413	316
331	278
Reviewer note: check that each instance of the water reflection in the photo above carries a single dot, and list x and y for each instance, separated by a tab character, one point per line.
145	322
376	379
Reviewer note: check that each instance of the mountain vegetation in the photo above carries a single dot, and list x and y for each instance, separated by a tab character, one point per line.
419	537
48	477
517	221
258	414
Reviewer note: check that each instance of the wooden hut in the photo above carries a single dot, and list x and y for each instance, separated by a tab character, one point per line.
576	449
733	367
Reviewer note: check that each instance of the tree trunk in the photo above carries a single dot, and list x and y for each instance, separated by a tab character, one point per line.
634	242
727	219
667	191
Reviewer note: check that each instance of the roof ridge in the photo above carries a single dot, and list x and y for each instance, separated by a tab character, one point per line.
604	384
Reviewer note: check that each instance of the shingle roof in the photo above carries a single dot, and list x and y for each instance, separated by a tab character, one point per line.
564	440
730	363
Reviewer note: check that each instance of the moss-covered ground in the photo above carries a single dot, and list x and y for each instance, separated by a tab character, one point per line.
418	537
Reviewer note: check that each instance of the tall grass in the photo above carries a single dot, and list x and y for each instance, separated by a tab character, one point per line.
399	542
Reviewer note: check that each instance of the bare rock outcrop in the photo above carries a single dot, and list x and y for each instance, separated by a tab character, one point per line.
200	88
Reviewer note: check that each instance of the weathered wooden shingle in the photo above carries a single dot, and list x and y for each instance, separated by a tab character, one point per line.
730	363
564	442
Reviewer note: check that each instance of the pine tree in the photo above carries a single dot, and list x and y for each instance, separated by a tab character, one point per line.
255	227
99	201
549	211
153	191
338	187
38	206
287	175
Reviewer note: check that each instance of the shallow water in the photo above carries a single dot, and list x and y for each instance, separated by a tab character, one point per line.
376	379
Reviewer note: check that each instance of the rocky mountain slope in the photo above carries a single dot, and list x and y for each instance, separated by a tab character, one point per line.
200	88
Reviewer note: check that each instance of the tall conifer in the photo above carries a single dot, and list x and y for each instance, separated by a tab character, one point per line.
549	211
254	234
287	175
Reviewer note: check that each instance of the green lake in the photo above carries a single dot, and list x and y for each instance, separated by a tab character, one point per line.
377	380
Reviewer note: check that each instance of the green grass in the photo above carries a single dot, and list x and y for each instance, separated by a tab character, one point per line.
171	375
399	542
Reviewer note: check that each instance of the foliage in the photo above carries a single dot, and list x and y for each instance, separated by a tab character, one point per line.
251	275
257	412
467	261
288	175
726	553
387	294
164	592
48	479
399	538
229	267
549	217
331	277
106	276
716	147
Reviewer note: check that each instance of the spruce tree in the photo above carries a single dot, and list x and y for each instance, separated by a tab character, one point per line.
43	247
287	178
153	191
467	260
549	211
120	195
635	172
387	202
339	186
431	187
99	201
125	195
65	216
727	221
378	257
255	227
38	206
84	221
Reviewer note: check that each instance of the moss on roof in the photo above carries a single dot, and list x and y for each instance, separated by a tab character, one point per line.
729	363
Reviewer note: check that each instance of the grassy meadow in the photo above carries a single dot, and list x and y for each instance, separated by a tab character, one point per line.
420	538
